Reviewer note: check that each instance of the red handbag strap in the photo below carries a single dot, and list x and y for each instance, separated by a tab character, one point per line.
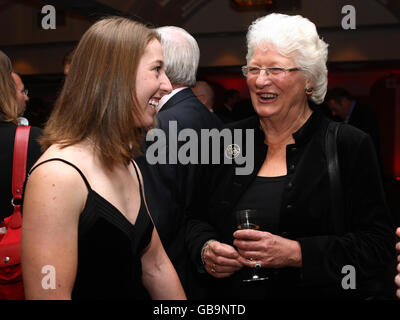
19	160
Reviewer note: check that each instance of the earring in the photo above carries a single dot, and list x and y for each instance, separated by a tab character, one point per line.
309	91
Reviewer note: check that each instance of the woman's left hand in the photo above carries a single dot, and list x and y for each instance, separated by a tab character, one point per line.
267	249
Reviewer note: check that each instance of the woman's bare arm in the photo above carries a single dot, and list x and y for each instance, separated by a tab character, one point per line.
159	275
54	197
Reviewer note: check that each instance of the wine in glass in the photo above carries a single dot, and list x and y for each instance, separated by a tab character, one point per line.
248	219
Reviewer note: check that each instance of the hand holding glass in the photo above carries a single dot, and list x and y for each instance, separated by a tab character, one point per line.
248	219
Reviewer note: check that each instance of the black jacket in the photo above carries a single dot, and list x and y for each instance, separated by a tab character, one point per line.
305	215
173	189
224	114
364	118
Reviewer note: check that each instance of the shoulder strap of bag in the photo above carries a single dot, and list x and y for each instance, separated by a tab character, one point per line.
19	170
336	195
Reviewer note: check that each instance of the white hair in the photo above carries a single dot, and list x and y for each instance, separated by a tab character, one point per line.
181	55
295	37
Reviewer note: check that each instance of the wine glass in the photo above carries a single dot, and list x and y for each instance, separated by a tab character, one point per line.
248	219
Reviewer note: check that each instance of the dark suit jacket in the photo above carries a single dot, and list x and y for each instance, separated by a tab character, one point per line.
172	189
305	215
7	136
224	114
363	117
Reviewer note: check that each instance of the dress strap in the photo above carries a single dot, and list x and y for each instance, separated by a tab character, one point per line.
69	163
138	177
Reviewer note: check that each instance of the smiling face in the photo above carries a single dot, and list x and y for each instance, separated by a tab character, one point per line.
151	81
275	95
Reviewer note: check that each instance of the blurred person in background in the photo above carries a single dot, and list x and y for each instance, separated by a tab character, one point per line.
12	105
343	105
22	99
205	94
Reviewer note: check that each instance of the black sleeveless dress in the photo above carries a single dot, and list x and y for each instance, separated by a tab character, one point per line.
109	248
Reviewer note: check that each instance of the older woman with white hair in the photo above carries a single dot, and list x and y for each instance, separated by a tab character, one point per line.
305	245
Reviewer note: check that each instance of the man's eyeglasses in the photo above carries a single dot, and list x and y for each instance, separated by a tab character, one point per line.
274	71
25	92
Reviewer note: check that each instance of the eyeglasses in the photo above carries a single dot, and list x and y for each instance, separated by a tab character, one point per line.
25	92
273	71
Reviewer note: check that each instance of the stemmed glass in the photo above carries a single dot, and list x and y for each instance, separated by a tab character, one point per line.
248	219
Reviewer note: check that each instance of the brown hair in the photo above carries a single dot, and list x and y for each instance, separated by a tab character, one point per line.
8	102
98	99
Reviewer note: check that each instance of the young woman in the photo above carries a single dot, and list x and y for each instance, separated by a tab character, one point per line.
86	231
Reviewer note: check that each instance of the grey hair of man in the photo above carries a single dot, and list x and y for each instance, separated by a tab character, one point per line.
181	55
294	37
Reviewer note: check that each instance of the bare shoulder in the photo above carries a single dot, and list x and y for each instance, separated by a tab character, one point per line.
55	180
50	167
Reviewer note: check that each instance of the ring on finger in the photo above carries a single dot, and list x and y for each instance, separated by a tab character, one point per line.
213	268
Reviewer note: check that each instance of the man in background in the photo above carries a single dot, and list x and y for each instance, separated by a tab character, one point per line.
174	189
67	61
22	99
205	94
226	112
22	93
343	105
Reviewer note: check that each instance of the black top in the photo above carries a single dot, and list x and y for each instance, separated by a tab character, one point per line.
7	136
264	195
109	248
